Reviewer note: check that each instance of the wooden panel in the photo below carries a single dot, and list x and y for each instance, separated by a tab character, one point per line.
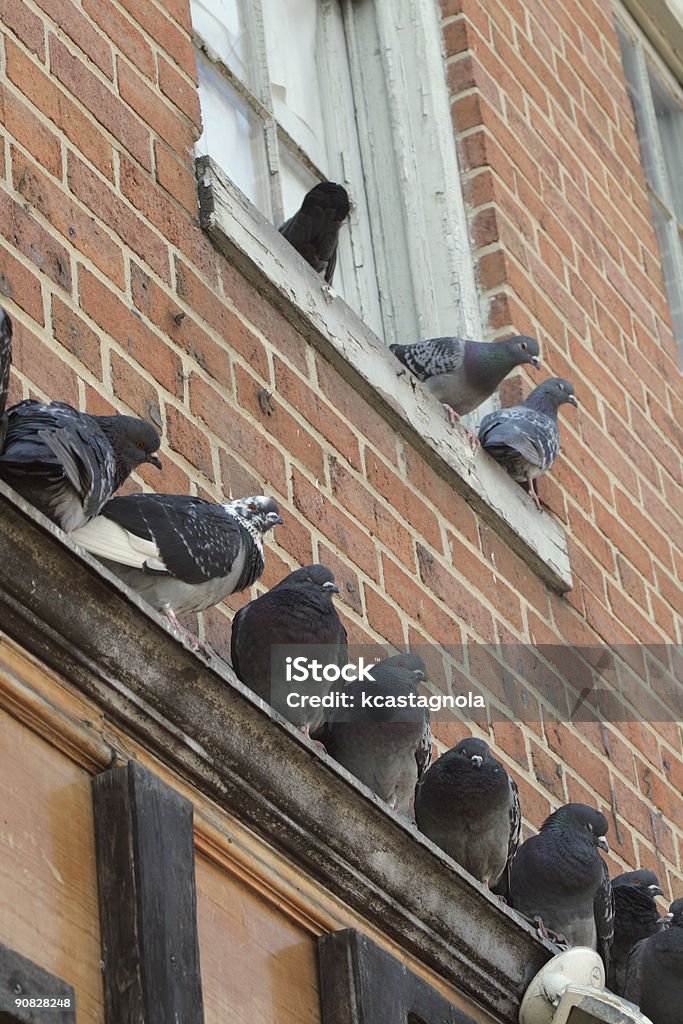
23	982
362	983
145	865
256	965
47	864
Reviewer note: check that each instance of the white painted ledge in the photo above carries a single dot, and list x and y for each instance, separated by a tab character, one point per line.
286	281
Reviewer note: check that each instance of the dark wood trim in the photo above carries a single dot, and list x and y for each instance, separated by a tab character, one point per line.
360	983
21	978
148	922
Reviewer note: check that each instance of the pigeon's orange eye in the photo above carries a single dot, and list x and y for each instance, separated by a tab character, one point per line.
253	506
139	444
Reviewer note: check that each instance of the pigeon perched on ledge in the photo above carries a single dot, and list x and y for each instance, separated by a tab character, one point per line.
462	373
182	554
654	972
68	463
636	916
387	747
314	228
297	615
525	438
559	877
469	806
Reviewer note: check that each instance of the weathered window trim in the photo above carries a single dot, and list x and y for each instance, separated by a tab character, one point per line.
663	26
284	279
193	716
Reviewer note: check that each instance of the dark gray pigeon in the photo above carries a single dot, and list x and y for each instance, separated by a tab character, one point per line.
314	228
525	438
5	359
68	463
386	744
559	877
182	554
462	373
295	619
654	972
636	916
469	806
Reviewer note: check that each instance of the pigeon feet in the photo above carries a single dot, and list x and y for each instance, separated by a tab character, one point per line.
454	418
534	494
185	633
316	743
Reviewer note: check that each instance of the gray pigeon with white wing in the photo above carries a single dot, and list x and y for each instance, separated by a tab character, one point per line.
469	806
182	554
462	373
525	439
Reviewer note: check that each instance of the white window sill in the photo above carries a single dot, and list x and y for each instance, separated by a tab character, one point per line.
256	248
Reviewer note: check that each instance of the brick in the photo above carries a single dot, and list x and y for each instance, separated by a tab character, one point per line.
20	284
174	176
181	91
26	26
463	603
346	578
105	107
153	110
72	332
382	617
34	242
162	308
101	200
410	506
123	34
21	123
319	414
372	513
437	625
69	20
135	339
43	366
136	391
548	771
74	225
41	91
335	525
190	442
244	438
153	20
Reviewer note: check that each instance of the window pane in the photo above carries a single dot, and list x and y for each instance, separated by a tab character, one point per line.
233	134
671	252
221	25
293	45
670	123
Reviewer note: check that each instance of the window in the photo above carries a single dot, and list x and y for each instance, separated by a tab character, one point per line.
353	91
658	110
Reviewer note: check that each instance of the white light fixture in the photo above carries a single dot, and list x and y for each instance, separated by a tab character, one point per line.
570	989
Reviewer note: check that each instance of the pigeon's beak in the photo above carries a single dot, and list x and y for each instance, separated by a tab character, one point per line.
155	461
329	585
274	519
536	362
573	400
654	890
603	844
477	760
419	675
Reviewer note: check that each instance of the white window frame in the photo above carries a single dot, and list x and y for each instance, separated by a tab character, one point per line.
648	60
409	116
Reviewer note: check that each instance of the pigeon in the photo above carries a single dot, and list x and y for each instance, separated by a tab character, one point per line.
388	744
525	438
68	463
654	972
635	917
559	877
314	228
182	554
463	373
5	357
298	615
469	806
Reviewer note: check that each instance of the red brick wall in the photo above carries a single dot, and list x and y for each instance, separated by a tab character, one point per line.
101	250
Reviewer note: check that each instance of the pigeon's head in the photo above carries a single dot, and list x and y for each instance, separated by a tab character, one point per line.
410	662
583	821
676	911
472	750
523	349
134	441
258	512
551	394
641	879
313	577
